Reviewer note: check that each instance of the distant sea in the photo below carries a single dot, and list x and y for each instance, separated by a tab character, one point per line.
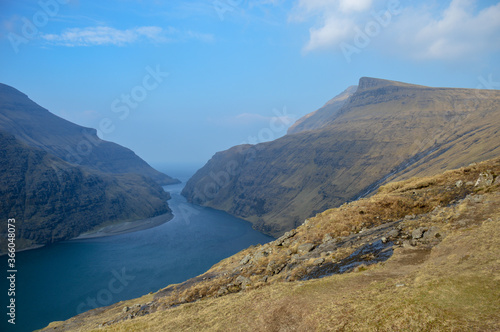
59	281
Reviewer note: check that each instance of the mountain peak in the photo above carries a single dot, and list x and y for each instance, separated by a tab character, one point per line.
368	83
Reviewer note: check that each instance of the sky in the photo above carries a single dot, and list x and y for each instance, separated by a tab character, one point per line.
177	81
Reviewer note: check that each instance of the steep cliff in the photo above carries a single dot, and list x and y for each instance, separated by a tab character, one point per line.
384	131
52	200
37	127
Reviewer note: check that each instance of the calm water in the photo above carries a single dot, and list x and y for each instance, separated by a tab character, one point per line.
61	280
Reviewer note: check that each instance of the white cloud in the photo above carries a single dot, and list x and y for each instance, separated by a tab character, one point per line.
104	35
459	31
335	20
348	6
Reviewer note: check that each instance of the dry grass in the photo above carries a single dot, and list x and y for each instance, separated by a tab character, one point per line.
454	286
445	293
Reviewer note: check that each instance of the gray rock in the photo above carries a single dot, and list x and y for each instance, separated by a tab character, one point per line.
305	248
475	198
407	245
245	259
125	309
327	238
418	233
393	233
319	261
260	255
459	183
223	290
284	237
485	179
243	282
431	234
274	267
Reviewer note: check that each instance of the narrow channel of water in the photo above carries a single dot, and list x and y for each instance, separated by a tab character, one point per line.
61	280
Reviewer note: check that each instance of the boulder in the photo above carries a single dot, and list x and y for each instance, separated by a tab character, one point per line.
245	259
431	234
393	233
418	233
274	267
485	179
327	238
284	237
319	261
261	254
243	282
305	248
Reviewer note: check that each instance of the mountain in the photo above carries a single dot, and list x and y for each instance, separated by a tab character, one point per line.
52	200
419	255
72	143
384	131
324	115
55	190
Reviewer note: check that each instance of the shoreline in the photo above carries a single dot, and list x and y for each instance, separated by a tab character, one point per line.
116	229
122	228
126	227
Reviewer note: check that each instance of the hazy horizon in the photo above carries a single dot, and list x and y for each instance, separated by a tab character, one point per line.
176	82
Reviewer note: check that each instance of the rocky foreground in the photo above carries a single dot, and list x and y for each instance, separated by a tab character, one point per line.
421	254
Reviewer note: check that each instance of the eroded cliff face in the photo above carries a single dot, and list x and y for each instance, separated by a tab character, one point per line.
384	131
52	200
59	179
77	145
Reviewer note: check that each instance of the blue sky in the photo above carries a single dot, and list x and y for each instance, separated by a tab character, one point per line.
177	81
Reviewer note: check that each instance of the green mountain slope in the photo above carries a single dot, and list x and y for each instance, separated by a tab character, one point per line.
385	131
52	200
75	144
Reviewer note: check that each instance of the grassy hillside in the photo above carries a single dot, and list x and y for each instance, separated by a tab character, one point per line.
385	131
420	255
52	200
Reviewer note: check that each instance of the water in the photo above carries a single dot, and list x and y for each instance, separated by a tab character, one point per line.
59	281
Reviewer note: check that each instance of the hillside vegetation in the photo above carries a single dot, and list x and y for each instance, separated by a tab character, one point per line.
419	255
384	131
